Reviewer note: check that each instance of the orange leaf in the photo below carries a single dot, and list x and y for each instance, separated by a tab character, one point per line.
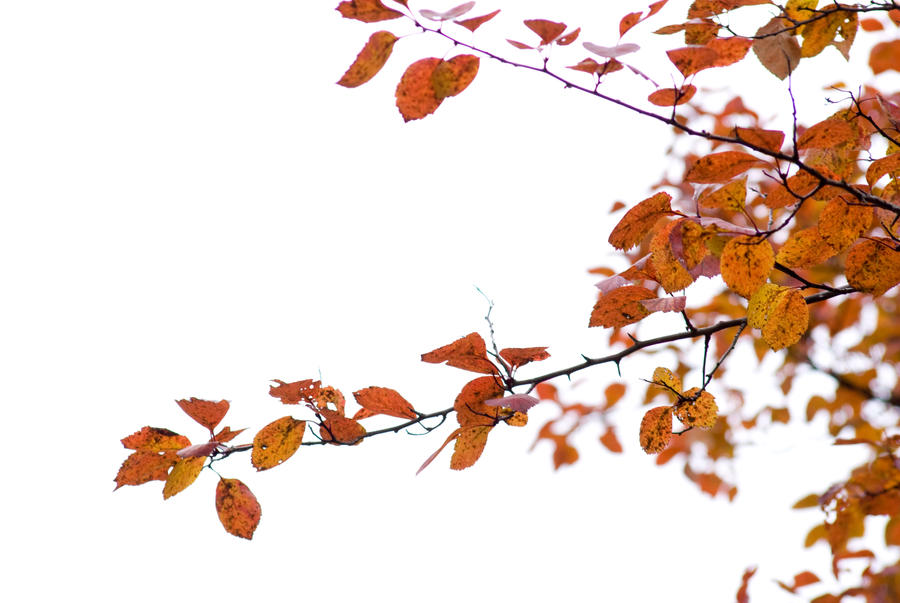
667	380
143	466
770	140
277	442
434	455
691	59
620	307
826	134
517	357
469	446
449	78
880	167
155	439
639	220
656	429
468	353
612	394
304	391
841	223
760	306
384	401
670	270
476	22
701	413
730	197
873	265
238	509
788	320
547	30
805	248
470	403
415	92
628	21
368	11
226	435
885	56
668	97
610	440
338	429
370	60
746	263
779	53
742	596
798	186
592	66
720	167
729	50
708	8
183	474
568	38
205	412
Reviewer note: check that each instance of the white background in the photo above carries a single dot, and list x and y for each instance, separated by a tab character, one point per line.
191	207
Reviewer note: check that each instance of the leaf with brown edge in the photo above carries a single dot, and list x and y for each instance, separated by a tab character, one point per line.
183	474
667	380
730	197
669	97
547	30
415	93
205	412
656	429
745	263
470	404
788	320
155	439
770	140
805	248
691	59
628	21
337	429
238	509
384	401
449	78
226	435
143	466
720	167
367	11
610	440
517	357
370	59
620	307
873	265
470	444
305	391
476	22
277	442
779	53
639	220
702	412
468	353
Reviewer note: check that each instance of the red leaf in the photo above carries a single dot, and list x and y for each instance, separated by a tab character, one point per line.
205	412
337	429
547	30
476	22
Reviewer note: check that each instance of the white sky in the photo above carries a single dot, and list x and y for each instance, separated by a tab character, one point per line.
191	207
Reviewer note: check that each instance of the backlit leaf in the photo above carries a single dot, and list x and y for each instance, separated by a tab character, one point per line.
415	93
708	8
885	56
873	265
568	38
226	435
143	466
819	34
205	412
385	401
520	403
729	50
199	450
470	403
826	134
656	429
667	380
277	442
676	303
476	22
155	439
370	60
770	140
795	188
805	248
338	429
788	320
730	197
304	391
547	30
452	77
761	304
841	223
701	412
368	11
779	53
611	52
720	167
746	263
742	595
468	353
668	97
447	15
610	440
628	21
881	167
237	507
670	270
639	220
434	455
691	59
517	357
807	502
620	307
469	446
183	474
592	66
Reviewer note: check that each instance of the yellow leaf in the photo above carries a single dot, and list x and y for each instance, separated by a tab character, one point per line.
701	412
183	474
370	60
452	77
841	223
469	446
788	320
666	379
873	265
761	304
746	263
818	34
670	272
805	248
730	197
277	442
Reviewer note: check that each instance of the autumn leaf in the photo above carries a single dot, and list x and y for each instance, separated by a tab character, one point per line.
199	450
729	50
770	140
452	77
670	270
701	412
205	412
237	507
155	439
447	15
370	60
819	34
226	435
720	167
337	429
470	405
805	248
468	353
277	442
568	38
761	304
368	11
670	97
730	197
547	30
476	22
304	391
611	52
620	307
676	303
709	8
434	455
788	320
742	596
691	59
183	474
746	263
826	134
610	440
779	53
628	21
520	403
639	220
517	357
841	223
415	93
656	429
873	265
881	167
885	56
384	401
667	380
143	466
469	445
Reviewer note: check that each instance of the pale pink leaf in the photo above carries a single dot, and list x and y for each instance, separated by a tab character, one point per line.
723	225
517	402
665	304
198	450
613	282
611	52
447	15
708	267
